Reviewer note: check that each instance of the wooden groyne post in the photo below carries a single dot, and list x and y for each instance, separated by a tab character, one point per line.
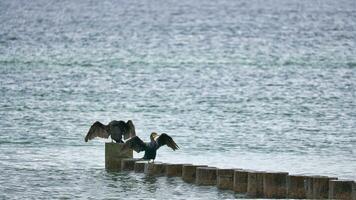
255	184
342	189
155	169
206	175
189	172
225	179
139	166
295	186
174	170
275	185
317	187
114	153
128	164
240	181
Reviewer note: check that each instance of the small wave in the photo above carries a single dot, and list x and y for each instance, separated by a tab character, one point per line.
309	129
351	64
45	62
15	142
12	38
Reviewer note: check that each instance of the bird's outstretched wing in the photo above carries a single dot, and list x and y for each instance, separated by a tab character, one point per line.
165	139
96	130
136	144
130	132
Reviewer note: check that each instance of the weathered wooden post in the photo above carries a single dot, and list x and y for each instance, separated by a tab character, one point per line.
174	170
317	187
225	179
341	189
295	187
127	164
189	172
308	185
275	185
354	191
240	181
114	153
255	184
206	175
155	169
139	166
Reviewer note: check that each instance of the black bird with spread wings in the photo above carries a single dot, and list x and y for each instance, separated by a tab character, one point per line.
151	147
115	129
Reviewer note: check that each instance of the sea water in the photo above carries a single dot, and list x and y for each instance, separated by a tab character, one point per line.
265	85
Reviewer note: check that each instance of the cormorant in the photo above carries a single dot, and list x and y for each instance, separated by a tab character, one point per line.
151	147
115	129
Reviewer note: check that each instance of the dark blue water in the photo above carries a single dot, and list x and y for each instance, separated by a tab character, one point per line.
266	85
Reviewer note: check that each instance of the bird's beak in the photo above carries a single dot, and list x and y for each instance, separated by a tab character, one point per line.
155	136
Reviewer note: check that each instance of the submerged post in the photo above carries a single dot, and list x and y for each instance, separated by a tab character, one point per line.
114	153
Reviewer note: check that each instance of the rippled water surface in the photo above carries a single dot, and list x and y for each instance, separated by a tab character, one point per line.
266	85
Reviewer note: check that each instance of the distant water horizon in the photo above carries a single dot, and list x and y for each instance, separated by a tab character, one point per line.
248	84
